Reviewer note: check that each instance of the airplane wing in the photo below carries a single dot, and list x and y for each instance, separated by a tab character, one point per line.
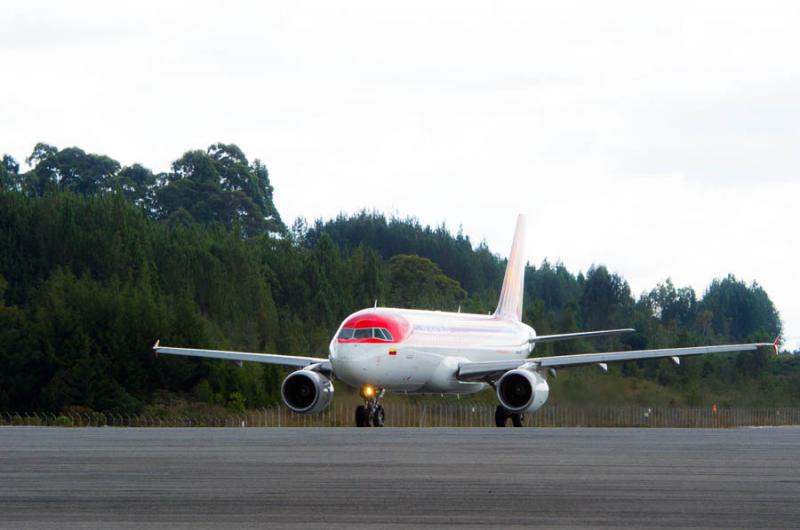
579	335
267	358
491	370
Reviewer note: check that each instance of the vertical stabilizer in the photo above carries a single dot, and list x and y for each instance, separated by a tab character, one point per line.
510	304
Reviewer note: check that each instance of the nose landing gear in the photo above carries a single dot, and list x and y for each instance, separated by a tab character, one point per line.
501	416
371	412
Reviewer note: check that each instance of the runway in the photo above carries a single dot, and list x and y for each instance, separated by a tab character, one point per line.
377	478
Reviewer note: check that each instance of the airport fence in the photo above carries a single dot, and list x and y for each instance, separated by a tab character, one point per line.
406	414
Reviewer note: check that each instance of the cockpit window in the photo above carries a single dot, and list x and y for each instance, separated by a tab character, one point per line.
383	334
363	333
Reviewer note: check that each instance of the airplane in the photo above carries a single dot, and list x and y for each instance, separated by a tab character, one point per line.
409	351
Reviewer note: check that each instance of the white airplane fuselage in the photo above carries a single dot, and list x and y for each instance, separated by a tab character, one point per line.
419	351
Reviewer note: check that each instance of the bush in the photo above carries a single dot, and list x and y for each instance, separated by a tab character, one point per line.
203	392
236	402
62	421
27	419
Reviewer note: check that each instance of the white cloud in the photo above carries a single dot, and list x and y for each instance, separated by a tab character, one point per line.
658	139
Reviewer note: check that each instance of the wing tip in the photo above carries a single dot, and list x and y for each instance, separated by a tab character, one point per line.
775	345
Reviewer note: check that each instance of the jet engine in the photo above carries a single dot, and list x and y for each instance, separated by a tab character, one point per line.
307	392
522	390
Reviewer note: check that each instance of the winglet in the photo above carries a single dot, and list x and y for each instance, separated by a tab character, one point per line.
774	344
155	348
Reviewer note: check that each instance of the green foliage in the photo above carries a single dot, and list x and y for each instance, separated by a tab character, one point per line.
740	311
97	261
416	282
476	269
203	392
220	185
605	299
62	421
9	174
137	184
673	305
236	402
69	169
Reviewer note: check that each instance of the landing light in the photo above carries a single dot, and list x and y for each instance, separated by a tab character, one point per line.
368	392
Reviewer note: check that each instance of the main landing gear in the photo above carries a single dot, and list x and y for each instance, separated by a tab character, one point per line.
501	416
371	412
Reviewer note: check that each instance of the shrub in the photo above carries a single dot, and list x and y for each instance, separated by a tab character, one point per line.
62	421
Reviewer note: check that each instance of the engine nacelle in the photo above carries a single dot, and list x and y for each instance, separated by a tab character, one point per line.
307	392
522	390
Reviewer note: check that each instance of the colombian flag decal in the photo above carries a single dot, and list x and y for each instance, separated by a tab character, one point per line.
392	351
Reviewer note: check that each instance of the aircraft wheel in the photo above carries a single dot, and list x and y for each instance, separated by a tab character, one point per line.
378	416
517	419
500	416
362	419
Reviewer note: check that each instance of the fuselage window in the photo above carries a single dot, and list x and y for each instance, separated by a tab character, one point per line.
363	333
346	333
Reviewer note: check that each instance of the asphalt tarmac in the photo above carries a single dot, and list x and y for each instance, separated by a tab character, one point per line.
189	478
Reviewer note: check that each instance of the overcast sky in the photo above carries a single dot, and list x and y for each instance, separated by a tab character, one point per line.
661	140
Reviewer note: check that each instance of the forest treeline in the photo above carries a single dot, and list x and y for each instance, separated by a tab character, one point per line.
98	260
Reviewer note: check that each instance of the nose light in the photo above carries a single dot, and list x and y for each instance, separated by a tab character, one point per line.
368	392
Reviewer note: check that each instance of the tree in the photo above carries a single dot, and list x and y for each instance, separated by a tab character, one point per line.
69	169
670	304
477	270
554	285
740	311
9	173
262	194
219	185
137	184
419	283
605	300
41	151
18	377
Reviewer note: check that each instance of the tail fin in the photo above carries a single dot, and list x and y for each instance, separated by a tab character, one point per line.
510	304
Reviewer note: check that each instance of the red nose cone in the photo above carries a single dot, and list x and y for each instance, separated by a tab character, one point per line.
396	325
